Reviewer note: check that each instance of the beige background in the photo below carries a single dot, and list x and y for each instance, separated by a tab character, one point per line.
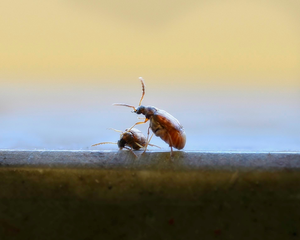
228	70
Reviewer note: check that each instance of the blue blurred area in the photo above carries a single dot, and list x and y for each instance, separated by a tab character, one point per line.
214	119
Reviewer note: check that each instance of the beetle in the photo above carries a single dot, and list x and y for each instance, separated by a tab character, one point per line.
130	139
162	124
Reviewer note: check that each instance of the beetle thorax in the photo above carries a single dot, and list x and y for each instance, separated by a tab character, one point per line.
147	111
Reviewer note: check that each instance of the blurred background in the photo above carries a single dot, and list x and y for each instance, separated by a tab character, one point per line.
229	71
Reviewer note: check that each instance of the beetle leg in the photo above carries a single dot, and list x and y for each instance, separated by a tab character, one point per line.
149	144
146	120
138	144
148	140
171	144
171	154
131	151
152	145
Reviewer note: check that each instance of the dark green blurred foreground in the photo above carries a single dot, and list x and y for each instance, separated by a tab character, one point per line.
61	203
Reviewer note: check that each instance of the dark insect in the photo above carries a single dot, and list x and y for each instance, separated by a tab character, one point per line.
130	139
162	124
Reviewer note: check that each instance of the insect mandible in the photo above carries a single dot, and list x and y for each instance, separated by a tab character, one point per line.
162	124
130	139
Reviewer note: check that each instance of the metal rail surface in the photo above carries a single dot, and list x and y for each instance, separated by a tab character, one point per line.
182	160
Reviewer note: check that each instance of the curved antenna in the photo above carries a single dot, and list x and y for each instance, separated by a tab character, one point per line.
103	143
115	130
121	132
124	105
143	90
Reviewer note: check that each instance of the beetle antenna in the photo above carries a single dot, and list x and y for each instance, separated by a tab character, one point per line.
115	130
103	143
125	105
143	90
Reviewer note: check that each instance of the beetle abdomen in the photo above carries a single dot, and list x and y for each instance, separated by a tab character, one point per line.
175	139
168	128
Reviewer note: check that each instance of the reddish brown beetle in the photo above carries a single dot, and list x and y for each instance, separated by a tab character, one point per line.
130	139
162	124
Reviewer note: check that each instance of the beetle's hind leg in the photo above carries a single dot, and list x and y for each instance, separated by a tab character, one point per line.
152	145
148	140
171	145
129	149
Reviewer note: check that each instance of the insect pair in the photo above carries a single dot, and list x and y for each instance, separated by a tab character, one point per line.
162	124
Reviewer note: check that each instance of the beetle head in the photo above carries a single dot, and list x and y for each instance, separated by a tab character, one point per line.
121	143
140	110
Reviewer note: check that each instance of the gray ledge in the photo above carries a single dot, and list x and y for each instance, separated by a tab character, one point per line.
113	195
182	160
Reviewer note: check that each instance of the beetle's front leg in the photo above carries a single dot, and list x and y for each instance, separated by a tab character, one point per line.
146	120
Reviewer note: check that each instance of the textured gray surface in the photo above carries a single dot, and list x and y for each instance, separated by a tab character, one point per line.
112	195
182	160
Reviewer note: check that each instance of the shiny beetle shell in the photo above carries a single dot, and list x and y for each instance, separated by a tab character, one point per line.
168	128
